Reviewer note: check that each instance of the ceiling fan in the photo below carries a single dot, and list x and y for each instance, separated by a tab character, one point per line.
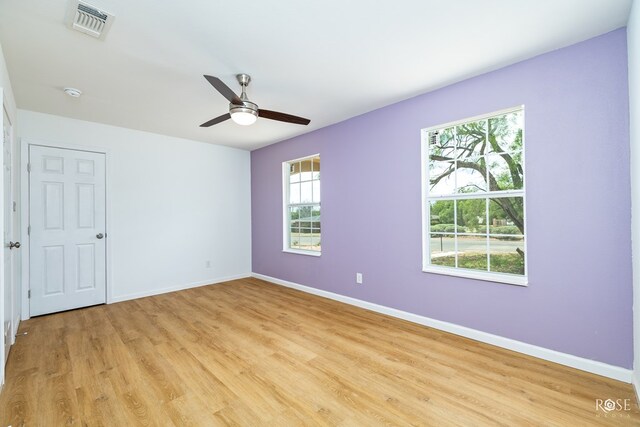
241	110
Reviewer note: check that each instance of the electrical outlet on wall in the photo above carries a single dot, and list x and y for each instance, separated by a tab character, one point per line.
359	278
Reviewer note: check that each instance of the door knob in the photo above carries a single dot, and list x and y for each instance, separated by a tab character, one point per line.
99	235
14	245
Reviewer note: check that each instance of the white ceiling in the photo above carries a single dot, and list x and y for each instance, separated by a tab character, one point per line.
326	60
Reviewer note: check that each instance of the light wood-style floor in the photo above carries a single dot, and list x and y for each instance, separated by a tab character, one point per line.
251	353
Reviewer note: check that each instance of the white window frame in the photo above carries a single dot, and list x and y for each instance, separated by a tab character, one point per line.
286	226
427	267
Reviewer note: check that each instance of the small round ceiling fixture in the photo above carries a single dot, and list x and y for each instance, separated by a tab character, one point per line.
73	92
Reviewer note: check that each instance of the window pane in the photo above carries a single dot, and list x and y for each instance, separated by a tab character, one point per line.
472	252
316	191
506	254
443	250
471	139
294	193
441	143
316	167
506	171
305	213
315	231
305	241
471	216
505	132
506	215
294	227
306	170
305	191
294	172
315	216
442	216
471	175
441	178
294	240
315	240
294	214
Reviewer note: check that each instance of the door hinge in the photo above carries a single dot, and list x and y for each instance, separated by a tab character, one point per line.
28	167
28	230
14	206
29	293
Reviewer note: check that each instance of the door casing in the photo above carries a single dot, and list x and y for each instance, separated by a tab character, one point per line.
8	215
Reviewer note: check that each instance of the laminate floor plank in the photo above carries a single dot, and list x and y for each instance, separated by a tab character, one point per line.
250	353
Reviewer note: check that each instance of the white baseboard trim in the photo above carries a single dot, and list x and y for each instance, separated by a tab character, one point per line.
595	367
153	292
14	329
636	385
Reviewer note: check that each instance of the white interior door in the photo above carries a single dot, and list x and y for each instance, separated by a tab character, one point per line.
67	235
9	291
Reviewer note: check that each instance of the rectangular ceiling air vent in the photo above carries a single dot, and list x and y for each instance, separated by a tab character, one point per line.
88	19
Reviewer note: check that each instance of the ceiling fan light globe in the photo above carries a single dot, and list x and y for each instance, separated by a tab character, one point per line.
244	117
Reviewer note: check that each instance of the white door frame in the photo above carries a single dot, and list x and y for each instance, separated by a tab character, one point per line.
25	143
2	284
12	281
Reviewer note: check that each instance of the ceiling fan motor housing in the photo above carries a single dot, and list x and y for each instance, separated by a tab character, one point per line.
247	107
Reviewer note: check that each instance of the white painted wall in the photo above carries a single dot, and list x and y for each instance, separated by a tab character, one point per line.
9	102
5	84
633	46
174	204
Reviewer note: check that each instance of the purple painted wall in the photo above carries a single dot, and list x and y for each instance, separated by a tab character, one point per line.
579	299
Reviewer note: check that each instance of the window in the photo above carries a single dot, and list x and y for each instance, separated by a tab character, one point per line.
474	198
301	182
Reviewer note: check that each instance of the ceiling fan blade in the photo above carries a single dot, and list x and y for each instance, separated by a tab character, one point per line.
283	117
224	89
215	121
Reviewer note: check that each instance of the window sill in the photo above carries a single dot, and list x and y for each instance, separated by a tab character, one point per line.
506	279
301	252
